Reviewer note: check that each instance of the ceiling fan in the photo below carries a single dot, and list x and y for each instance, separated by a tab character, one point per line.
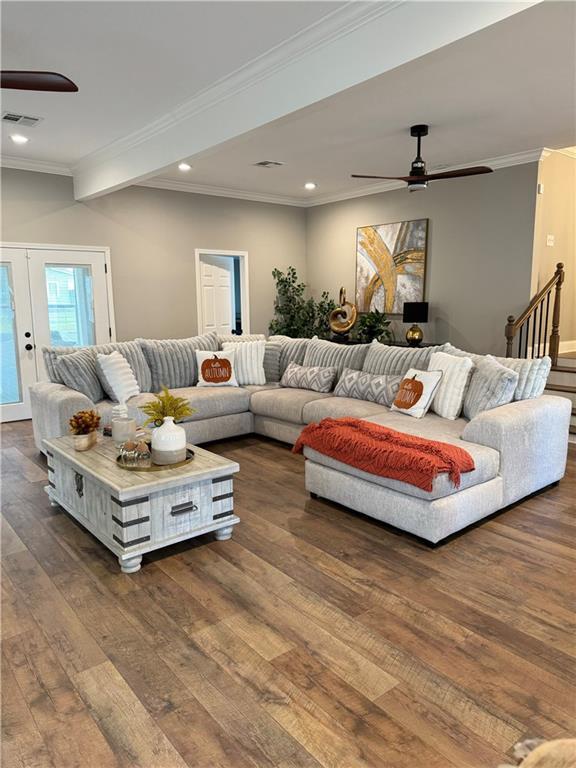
36	81
418	178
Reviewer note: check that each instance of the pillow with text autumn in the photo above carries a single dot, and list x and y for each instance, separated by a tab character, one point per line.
216	369
416	392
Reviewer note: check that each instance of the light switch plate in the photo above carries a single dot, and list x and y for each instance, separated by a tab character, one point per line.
550	240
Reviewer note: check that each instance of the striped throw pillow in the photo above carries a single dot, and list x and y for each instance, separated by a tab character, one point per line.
78	371
248	361
456	373
491	385
328	354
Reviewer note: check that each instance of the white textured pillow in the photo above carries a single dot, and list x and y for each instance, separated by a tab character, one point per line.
117	377
248	360
216	369
416	392
456	372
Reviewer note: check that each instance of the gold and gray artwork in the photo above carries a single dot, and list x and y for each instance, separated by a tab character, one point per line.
390	265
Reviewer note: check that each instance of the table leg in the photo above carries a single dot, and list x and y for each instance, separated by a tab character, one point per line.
48	490
223	534
130	564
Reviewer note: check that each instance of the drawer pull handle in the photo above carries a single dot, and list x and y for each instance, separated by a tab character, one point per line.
79	484
181	509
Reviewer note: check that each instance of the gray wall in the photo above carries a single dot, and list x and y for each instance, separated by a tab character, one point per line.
480	241
479	256
152	234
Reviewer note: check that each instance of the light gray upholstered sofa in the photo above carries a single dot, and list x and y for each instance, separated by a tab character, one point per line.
517	448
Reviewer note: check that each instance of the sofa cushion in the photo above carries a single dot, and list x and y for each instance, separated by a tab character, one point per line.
207	403
433	427
284	404
78	371
172	362
291	351
131	350
337	407
491	385
456	372
329	354
382	358
116	377
368	386
248	361
316	378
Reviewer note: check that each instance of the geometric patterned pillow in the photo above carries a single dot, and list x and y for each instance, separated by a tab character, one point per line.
367	386
315	378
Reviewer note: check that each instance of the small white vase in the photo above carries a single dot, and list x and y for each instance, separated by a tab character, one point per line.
168	443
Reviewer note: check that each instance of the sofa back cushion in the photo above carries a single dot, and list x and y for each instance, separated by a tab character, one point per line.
382	358
131	350
368	386
172	362
491	385
532	374
329	354
309	377
78	371
291	350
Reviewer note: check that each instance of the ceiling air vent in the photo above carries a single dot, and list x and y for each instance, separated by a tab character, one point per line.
268	164
16	119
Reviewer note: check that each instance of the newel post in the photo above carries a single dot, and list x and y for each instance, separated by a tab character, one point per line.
509	333
554	347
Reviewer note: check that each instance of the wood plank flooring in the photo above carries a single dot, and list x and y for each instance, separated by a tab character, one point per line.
316	637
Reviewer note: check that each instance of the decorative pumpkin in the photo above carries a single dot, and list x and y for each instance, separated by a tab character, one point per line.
216	370
409	393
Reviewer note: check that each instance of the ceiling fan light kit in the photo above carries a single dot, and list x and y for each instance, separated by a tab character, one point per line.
418	178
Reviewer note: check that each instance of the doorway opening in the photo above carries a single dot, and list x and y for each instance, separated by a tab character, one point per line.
222	291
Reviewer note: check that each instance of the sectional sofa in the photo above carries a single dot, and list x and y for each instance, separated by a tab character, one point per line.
518	448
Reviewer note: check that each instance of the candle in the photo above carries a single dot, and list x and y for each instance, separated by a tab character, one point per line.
123	429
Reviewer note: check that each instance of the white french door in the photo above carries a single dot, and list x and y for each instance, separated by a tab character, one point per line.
49	297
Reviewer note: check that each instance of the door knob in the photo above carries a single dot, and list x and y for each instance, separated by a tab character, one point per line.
28	347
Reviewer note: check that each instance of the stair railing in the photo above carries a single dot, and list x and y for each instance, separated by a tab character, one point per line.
537	322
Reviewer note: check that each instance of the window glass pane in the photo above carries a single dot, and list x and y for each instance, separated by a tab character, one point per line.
70	305
10	390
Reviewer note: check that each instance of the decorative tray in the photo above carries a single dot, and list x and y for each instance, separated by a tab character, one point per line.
147	466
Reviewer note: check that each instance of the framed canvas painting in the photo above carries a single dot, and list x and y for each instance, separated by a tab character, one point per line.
390	265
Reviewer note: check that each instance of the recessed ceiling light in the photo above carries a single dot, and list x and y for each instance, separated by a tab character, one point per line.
310	185
184	167
17	138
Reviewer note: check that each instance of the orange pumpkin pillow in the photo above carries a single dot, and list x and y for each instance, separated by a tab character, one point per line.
416	392
216	369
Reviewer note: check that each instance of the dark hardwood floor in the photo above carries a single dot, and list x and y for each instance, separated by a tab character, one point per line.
316	637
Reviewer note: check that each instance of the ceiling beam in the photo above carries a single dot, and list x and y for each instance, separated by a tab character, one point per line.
358	42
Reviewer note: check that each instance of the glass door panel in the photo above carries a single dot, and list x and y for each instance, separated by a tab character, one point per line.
17	357
70	301
10	385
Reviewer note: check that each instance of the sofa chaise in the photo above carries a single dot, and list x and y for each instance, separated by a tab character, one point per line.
518	448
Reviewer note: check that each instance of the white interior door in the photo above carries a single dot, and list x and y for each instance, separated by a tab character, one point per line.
70	299
18	369
217	294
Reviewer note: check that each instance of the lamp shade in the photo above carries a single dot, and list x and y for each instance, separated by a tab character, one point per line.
415	312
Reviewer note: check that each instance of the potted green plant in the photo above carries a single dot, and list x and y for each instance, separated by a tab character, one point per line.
84	426
294	314
373	325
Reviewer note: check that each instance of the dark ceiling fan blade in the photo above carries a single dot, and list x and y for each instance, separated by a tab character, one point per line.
389	178
36	81
475	170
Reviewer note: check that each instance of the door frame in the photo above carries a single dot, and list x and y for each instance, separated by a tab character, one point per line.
244	283
107	261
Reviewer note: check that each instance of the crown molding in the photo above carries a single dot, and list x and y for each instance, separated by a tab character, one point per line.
39	166
326	30
566	151
237	194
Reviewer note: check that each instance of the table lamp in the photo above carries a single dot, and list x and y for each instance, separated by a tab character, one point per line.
415	312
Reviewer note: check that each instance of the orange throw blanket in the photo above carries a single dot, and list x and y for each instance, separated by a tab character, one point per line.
386	452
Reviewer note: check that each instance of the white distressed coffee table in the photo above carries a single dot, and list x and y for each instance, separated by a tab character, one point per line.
132	513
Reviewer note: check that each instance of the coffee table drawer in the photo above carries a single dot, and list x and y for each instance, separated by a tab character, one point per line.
181	510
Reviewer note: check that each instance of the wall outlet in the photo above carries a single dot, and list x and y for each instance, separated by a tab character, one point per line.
540	188
550	241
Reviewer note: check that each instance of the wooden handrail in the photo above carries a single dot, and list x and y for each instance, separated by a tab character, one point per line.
516	326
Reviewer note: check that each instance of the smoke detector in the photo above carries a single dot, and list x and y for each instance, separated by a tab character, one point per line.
25	120
268	164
